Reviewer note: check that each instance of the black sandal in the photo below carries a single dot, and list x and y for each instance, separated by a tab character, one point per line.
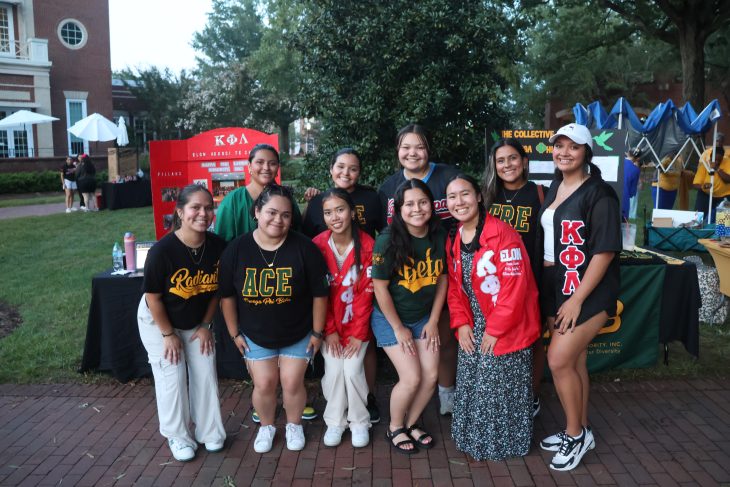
390	435
420	440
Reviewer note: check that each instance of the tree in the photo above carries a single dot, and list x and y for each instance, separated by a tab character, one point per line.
247	75
163	94
371	67
686	24
578	51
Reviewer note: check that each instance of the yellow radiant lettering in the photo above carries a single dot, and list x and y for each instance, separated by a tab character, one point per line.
186	286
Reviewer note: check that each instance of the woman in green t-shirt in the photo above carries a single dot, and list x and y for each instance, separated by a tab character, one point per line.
410	290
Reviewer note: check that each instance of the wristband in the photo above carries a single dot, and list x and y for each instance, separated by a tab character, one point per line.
165	335
317	334
233	337
208	325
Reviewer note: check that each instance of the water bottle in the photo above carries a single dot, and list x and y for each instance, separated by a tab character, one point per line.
129	241
117	258
722	221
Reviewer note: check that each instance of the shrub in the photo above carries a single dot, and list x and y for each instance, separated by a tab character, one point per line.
36	182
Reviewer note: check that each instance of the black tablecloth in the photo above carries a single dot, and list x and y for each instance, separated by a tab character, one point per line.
133	194
112	337
681	301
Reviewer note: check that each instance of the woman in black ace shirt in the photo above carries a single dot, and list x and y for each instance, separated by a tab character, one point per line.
274	290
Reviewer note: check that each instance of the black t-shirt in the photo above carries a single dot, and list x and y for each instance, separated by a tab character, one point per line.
274	302
186	287
521	214
437	180
367	211
69	171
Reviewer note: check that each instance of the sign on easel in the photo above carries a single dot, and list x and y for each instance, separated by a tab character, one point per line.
217	159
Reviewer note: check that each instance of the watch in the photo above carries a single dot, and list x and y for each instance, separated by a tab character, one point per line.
208	325
317	334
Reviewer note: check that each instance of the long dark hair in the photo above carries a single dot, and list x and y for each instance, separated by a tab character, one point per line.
492	182
183	198
401	247
481	205
269	191
354	227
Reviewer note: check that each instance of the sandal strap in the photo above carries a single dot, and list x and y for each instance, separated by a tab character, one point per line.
399	431
424	435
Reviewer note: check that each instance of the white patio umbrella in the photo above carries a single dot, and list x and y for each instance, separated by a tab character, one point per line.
95	128
25	117
122	137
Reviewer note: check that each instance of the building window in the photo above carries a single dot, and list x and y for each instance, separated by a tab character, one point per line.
7	33
75	111
4	148
15	141
72	33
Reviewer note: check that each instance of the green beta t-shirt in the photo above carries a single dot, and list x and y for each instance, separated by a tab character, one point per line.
412	287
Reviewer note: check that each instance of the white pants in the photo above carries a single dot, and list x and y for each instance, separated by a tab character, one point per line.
174	408
346	390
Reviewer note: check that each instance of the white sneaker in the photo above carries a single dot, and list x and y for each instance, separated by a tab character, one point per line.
333	435
446	400
553	442
182	452
360	435
294	436
590	440
264	439
68	210
571	452
83	208
214	446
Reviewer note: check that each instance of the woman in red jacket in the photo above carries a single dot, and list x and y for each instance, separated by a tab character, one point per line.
494	309
348	252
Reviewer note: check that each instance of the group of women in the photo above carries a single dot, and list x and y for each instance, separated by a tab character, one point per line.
457	290
79	173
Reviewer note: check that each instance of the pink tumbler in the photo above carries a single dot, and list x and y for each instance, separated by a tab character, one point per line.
129	241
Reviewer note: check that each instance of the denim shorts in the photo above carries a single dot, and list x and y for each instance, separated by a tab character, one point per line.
295	350
384	334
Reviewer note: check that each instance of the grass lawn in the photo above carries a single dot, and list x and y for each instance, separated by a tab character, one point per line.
38	199
48	262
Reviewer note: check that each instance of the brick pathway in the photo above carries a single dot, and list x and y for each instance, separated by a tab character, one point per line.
650	433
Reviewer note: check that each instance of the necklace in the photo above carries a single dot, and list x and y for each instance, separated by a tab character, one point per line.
193	252
272	260
514	195
469	246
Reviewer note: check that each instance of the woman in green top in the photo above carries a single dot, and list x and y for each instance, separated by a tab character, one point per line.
410	290
235	215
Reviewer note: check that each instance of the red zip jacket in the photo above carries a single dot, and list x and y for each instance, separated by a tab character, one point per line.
504	286
349	306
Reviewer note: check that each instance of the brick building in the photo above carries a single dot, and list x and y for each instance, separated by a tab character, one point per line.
54	59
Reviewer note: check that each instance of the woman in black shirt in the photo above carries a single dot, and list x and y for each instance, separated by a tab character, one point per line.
274	289
174	318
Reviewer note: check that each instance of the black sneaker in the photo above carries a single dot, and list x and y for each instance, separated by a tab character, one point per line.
373	409
571	452
536	407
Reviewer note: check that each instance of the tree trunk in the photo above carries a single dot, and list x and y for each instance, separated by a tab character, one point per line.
691	48
284	141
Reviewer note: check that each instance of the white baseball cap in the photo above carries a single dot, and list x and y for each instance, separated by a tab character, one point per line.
575	132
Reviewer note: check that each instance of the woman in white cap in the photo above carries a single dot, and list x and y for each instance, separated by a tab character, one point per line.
581	229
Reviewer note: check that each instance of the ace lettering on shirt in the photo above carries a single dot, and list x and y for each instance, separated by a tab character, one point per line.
267	285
